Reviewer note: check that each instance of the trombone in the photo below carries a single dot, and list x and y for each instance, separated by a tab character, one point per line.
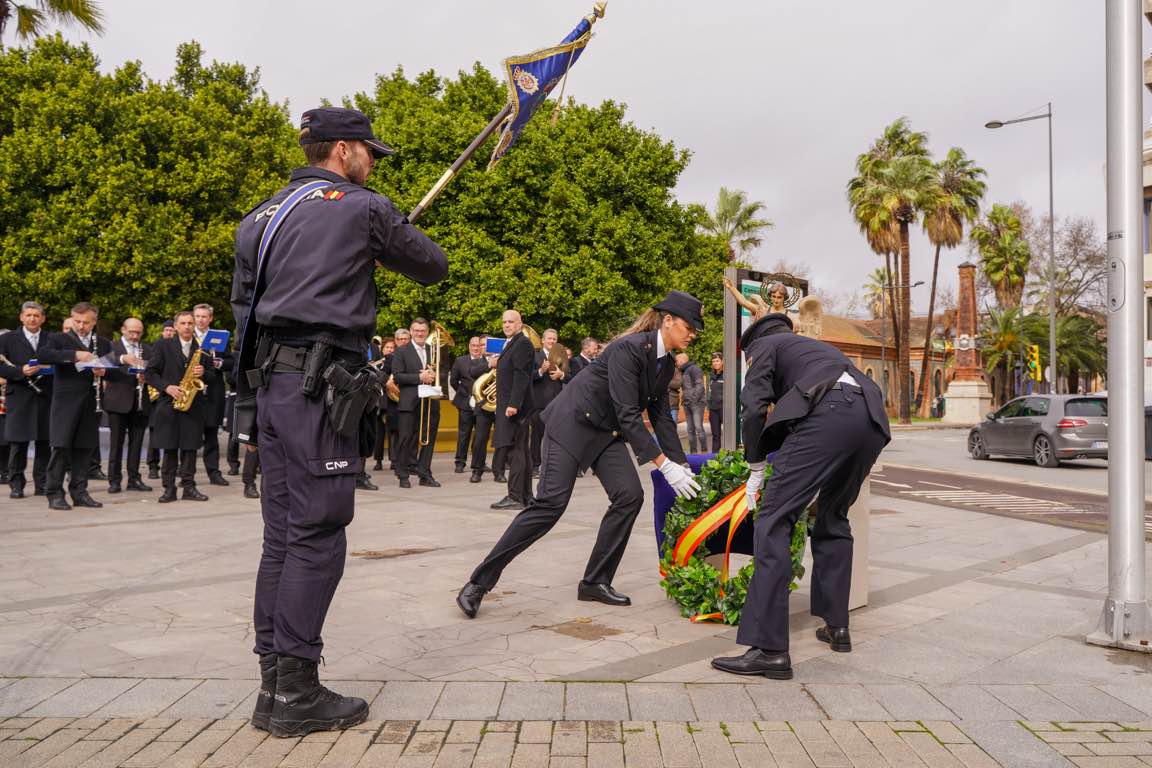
438	338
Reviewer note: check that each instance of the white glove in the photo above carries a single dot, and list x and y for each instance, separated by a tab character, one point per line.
755	483
681	480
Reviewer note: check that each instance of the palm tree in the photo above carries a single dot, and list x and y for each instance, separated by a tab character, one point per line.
1080	350
959	204
1003	339
735	220
32	19
895	183
1004	254
876	293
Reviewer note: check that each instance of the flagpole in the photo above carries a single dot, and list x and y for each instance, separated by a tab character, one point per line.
450	174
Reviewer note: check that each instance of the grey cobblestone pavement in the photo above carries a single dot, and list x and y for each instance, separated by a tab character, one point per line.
125	640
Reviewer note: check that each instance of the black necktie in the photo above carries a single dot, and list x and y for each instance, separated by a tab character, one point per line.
659	365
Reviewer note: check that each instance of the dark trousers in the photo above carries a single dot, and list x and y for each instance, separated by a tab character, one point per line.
153	453
830	452
381	436
211	450
411	457
74	458
464	430
309	485
520	464
617	474
251	464
131	426
716	423
5	455
484	421
182	463
537	437
18	462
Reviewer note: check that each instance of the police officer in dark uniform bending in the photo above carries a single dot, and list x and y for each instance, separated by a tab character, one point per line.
827	430
314	315
591	423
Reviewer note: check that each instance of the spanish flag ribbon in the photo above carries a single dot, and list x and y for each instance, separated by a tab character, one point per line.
731	509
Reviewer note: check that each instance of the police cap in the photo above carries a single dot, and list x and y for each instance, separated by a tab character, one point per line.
338	124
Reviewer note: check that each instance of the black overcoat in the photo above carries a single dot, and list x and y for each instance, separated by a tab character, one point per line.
28	410
607	401
172	429
513	388
120	394
72	390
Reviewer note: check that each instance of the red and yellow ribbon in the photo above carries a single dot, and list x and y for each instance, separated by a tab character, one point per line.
731	509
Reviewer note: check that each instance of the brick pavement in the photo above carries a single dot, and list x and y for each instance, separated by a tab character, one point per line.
31	742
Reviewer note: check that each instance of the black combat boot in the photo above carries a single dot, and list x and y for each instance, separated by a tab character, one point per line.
263	712
302	705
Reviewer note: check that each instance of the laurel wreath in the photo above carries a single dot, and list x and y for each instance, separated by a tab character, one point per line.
696	586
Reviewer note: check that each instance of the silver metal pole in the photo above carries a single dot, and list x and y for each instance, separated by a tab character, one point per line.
731	429
1055	381
1125	621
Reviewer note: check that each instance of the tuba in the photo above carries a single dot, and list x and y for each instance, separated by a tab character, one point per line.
484	388
190	385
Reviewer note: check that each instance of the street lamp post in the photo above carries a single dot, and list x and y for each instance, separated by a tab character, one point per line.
993	124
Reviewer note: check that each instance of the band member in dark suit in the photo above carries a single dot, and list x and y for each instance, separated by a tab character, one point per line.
177	433
716	400
588	350
514	408
384	356
591	424
167	331
29	400
827	430
484	419
411	368
463	375
402	337
76	396
127	405
215	363
547	380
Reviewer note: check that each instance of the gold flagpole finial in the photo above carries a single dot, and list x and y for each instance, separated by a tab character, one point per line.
597	12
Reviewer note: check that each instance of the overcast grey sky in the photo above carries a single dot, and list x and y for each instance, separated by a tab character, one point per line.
776	98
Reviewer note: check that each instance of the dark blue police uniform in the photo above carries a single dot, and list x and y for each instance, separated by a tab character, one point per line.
318	289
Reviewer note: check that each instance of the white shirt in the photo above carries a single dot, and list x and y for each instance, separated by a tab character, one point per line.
87	342
661	351
186	347
422	353
33	338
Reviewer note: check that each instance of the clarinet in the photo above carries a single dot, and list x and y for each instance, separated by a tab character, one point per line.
97	382
139	393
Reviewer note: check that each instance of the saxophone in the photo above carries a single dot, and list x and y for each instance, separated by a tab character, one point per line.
190	386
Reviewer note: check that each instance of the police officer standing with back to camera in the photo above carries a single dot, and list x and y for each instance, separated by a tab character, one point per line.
591	423
827	430
312	297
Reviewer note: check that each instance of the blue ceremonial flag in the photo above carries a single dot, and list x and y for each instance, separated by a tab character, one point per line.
533	76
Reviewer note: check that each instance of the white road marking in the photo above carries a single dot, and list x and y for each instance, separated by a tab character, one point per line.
894	485
940	485
1001	502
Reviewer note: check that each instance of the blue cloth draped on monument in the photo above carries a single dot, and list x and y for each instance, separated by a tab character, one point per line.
532	77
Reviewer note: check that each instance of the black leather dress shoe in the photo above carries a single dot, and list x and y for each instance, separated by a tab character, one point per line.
364	483
16	493
250	491
193	494
506	503
84	500
771	664
601	593
59	504
168	496
501	478
138	485
378	466
837	637
217	479
405	482
430	481
459	469
97	474
114	488
233	470
477	476
469	599
153	474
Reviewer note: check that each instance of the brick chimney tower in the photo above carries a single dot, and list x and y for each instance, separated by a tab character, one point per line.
967	399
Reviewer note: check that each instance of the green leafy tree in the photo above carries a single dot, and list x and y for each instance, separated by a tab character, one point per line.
1004	254
1080	346
127	191
735	221
895	183
33	19
577	227
958	204
1003	339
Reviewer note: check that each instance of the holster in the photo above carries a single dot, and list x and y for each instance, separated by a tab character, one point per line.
349	397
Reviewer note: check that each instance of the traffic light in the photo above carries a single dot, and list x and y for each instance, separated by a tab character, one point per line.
1034	369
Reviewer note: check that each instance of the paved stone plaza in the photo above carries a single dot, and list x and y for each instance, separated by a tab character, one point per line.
126	640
